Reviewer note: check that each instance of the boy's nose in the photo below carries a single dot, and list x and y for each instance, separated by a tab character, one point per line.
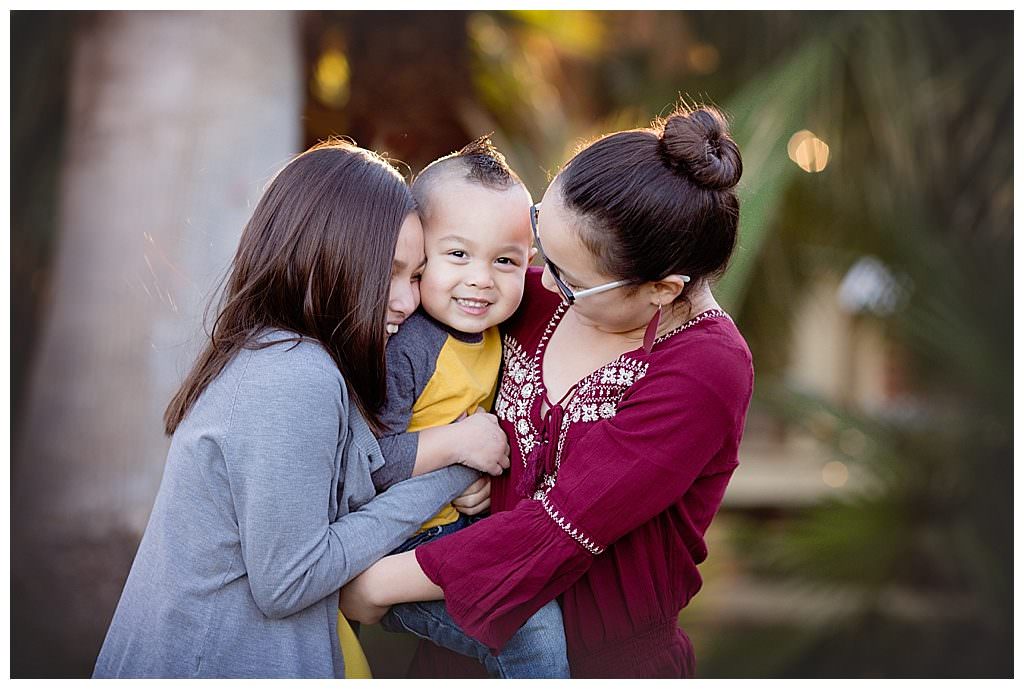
480	278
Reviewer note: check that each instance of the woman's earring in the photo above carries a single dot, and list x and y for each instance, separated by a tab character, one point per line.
652	331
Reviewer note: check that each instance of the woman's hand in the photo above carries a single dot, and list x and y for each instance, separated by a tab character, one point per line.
480	443
356	603
476	498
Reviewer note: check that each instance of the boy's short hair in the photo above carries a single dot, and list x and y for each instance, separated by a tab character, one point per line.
479	161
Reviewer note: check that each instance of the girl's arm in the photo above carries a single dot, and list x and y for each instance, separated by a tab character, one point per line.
289	416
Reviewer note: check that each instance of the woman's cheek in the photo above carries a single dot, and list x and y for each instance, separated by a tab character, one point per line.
547	281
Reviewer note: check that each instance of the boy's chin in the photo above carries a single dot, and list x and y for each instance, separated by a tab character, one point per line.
470	326
464	323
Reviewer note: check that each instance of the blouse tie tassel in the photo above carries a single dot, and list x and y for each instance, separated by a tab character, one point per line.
542	460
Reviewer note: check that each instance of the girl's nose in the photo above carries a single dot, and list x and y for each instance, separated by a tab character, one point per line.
404	299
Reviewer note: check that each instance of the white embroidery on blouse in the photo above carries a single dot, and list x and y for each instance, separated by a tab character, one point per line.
516	395
568	528
596	399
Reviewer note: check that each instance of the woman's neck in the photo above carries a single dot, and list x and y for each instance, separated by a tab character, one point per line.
699	300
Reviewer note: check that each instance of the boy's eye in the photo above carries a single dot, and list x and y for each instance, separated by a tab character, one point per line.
457	253
506	261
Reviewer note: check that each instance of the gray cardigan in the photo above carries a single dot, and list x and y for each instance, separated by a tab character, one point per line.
265	510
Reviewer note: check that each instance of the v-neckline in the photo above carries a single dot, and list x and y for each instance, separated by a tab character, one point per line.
549	332
542	347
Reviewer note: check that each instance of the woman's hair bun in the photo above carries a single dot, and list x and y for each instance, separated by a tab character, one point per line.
698	143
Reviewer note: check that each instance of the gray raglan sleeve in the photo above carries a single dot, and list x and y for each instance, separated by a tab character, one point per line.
288	416
411	361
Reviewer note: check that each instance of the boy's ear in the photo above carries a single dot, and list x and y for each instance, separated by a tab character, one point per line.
533	252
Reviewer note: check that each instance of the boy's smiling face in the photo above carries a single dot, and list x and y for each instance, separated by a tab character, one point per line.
478	245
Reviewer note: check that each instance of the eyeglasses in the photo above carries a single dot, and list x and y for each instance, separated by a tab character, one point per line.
567	293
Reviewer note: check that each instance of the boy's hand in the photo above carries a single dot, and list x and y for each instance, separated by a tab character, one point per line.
481	443
476	498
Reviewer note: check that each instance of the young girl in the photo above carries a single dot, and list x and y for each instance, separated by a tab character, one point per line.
267	505
623	394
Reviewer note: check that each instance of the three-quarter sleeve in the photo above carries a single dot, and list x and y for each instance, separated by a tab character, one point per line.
667	430
501	570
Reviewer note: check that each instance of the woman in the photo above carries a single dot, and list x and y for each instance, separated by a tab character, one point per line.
267	506
624	394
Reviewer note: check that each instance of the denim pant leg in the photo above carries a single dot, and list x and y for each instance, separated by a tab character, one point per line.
537	650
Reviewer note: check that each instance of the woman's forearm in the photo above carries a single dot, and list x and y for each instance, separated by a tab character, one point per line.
400	579
395	579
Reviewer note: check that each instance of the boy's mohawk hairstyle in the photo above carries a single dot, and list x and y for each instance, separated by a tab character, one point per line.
478	161
485	163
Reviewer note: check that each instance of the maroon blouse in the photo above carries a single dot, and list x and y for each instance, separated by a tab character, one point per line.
630	474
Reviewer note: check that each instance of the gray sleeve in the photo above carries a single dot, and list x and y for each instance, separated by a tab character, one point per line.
411	360
288	417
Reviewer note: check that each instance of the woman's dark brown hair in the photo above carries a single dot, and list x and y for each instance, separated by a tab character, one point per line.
315	260
659	201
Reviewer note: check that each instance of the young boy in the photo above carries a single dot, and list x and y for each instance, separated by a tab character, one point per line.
443	364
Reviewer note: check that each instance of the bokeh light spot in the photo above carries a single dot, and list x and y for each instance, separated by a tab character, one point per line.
331	78
808	151
703	58
852	442
488	35
835	474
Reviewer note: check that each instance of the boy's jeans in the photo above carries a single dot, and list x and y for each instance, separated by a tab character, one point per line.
536	650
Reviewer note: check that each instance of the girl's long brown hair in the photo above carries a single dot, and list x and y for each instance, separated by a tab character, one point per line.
314	259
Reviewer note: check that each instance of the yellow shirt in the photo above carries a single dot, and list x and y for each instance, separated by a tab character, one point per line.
465	377
356	665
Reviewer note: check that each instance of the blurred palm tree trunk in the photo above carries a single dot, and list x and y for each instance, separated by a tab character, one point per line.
166	154
40	48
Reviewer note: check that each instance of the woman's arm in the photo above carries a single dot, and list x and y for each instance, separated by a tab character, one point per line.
394	579
668	430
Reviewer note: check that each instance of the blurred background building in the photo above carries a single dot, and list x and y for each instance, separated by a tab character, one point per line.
868	530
